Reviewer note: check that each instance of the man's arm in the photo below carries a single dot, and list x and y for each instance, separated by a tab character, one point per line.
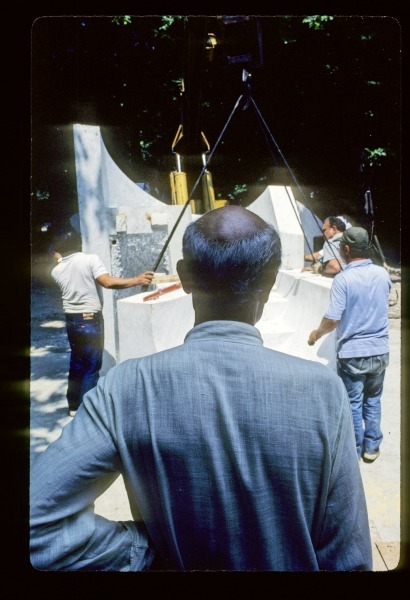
326	326
345	543
120	283
66	479
314	257
331	268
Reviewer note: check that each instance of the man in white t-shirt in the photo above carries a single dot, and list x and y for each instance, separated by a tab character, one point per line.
77	275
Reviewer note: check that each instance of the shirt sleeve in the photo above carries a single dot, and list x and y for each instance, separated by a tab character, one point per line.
345	542
331	250
97	266
338	296
66	479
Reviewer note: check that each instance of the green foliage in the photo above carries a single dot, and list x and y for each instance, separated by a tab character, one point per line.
239	190
167	22
323	88
180	83
122	20
145	146
317	21
374	157
42	195
145	153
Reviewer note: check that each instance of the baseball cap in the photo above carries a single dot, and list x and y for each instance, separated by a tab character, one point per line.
356	237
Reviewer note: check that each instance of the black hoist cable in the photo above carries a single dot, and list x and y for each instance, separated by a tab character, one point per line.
296	183
245	99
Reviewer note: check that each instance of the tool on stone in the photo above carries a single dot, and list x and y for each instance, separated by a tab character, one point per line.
161	291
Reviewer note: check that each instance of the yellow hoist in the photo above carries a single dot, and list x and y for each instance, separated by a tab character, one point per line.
179	187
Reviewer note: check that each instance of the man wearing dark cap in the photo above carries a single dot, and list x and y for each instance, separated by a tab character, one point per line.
358	308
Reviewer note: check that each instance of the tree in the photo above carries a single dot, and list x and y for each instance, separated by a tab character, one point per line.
327	87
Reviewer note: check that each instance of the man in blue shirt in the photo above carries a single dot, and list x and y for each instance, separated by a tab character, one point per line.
359	305
235	457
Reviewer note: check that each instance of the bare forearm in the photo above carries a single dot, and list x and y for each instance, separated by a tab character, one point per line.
325	327
332	267
313	257
120	283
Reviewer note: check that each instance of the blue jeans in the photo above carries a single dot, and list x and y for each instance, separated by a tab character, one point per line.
86	338
363	379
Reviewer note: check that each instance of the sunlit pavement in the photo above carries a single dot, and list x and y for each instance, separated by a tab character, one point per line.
48	415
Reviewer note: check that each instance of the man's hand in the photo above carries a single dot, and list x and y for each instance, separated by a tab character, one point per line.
325	327
144	278
316	268
121	283
313	337
331	268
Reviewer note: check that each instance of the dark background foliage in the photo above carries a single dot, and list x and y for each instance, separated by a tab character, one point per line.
326	88
62	70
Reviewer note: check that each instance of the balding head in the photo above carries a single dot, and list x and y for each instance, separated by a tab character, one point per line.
230	254
229	224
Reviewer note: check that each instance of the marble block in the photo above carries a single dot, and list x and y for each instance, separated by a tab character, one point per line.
307	298
155	325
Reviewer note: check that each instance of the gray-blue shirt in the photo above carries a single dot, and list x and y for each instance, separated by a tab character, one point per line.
235	457
359	300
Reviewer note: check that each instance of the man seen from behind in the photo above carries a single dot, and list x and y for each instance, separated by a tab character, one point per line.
359	311
235	457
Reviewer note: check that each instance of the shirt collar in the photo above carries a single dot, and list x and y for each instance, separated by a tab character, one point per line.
64	258
232	330
358	263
